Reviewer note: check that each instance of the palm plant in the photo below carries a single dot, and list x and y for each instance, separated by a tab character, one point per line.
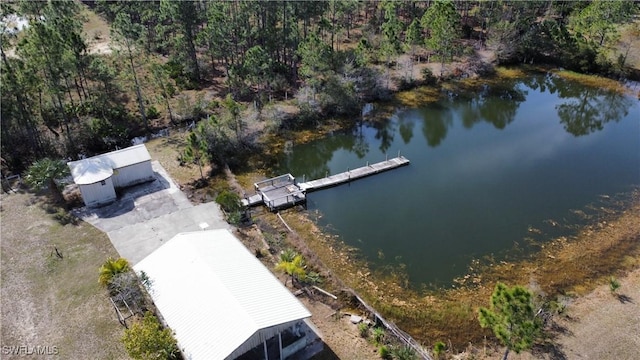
292	266
287	255
44	173
112	268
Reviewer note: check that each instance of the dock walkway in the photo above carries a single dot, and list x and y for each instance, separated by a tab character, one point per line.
283	191
354	174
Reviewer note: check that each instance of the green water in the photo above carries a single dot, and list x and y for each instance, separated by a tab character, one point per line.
488	170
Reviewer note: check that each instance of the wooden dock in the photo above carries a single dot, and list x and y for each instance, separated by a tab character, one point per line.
354	174
277	193
283	191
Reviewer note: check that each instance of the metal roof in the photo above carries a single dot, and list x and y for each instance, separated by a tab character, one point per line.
216	295
90	171
100	167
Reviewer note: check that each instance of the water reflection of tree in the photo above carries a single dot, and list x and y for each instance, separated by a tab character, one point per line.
405	126
312	160
437	120
541	83
385	132
361	145
496	104
499	104
587	109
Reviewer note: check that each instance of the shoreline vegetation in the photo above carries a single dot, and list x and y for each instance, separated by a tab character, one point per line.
562	270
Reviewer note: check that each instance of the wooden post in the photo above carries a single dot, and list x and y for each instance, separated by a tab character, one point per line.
325	292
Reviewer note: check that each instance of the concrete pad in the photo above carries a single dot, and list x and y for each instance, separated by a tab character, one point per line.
146	215
138	203
137	241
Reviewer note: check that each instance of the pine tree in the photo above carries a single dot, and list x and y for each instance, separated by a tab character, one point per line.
512	318
442	22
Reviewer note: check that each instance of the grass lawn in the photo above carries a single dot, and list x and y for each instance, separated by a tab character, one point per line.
49	301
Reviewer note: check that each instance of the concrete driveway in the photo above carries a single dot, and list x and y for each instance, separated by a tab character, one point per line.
147	215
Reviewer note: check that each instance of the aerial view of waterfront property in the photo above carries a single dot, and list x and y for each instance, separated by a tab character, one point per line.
320	180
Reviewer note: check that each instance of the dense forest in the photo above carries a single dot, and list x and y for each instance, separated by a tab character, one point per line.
327	58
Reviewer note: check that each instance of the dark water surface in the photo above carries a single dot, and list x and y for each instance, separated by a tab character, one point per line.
487	169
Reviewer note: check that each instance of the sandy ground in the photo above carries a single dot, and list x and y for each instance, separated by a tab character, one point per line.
342	338
603	326
597	326
49	302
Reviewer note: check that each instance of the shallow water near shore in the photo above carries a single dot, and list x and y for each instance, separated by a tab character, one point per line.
514	162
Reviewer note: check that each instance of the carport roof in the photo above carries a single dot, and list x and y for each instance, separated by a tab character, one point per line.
100	167
215	295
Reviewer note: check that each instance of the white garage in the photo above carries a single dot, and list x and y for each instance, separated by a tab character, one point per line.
98	177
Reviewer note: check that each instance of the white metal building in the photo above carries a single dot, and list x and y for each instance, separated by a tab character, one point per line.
99	176
221	302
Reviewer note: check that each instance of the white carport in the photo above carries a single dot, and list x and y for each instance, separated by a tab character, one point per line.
219	300
99	176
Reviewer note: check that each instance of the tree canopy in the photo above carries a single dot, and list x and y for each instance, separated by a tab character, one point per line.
512	318
45	173
147	339
60	98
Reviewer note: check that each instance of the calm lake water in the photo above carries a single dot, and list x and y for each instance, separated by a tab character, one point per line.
487	169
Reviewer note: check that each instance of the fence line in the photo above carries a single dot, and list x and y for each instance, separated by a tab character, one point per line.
395	330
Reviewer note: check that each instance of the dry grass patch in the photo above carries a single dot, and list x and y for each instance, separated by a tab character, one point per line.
510	72
52	301
593	81
418	96
166	150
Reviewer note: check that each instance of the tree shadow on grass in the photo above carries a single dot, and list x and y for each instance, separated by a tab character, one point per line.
550	348
624	299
